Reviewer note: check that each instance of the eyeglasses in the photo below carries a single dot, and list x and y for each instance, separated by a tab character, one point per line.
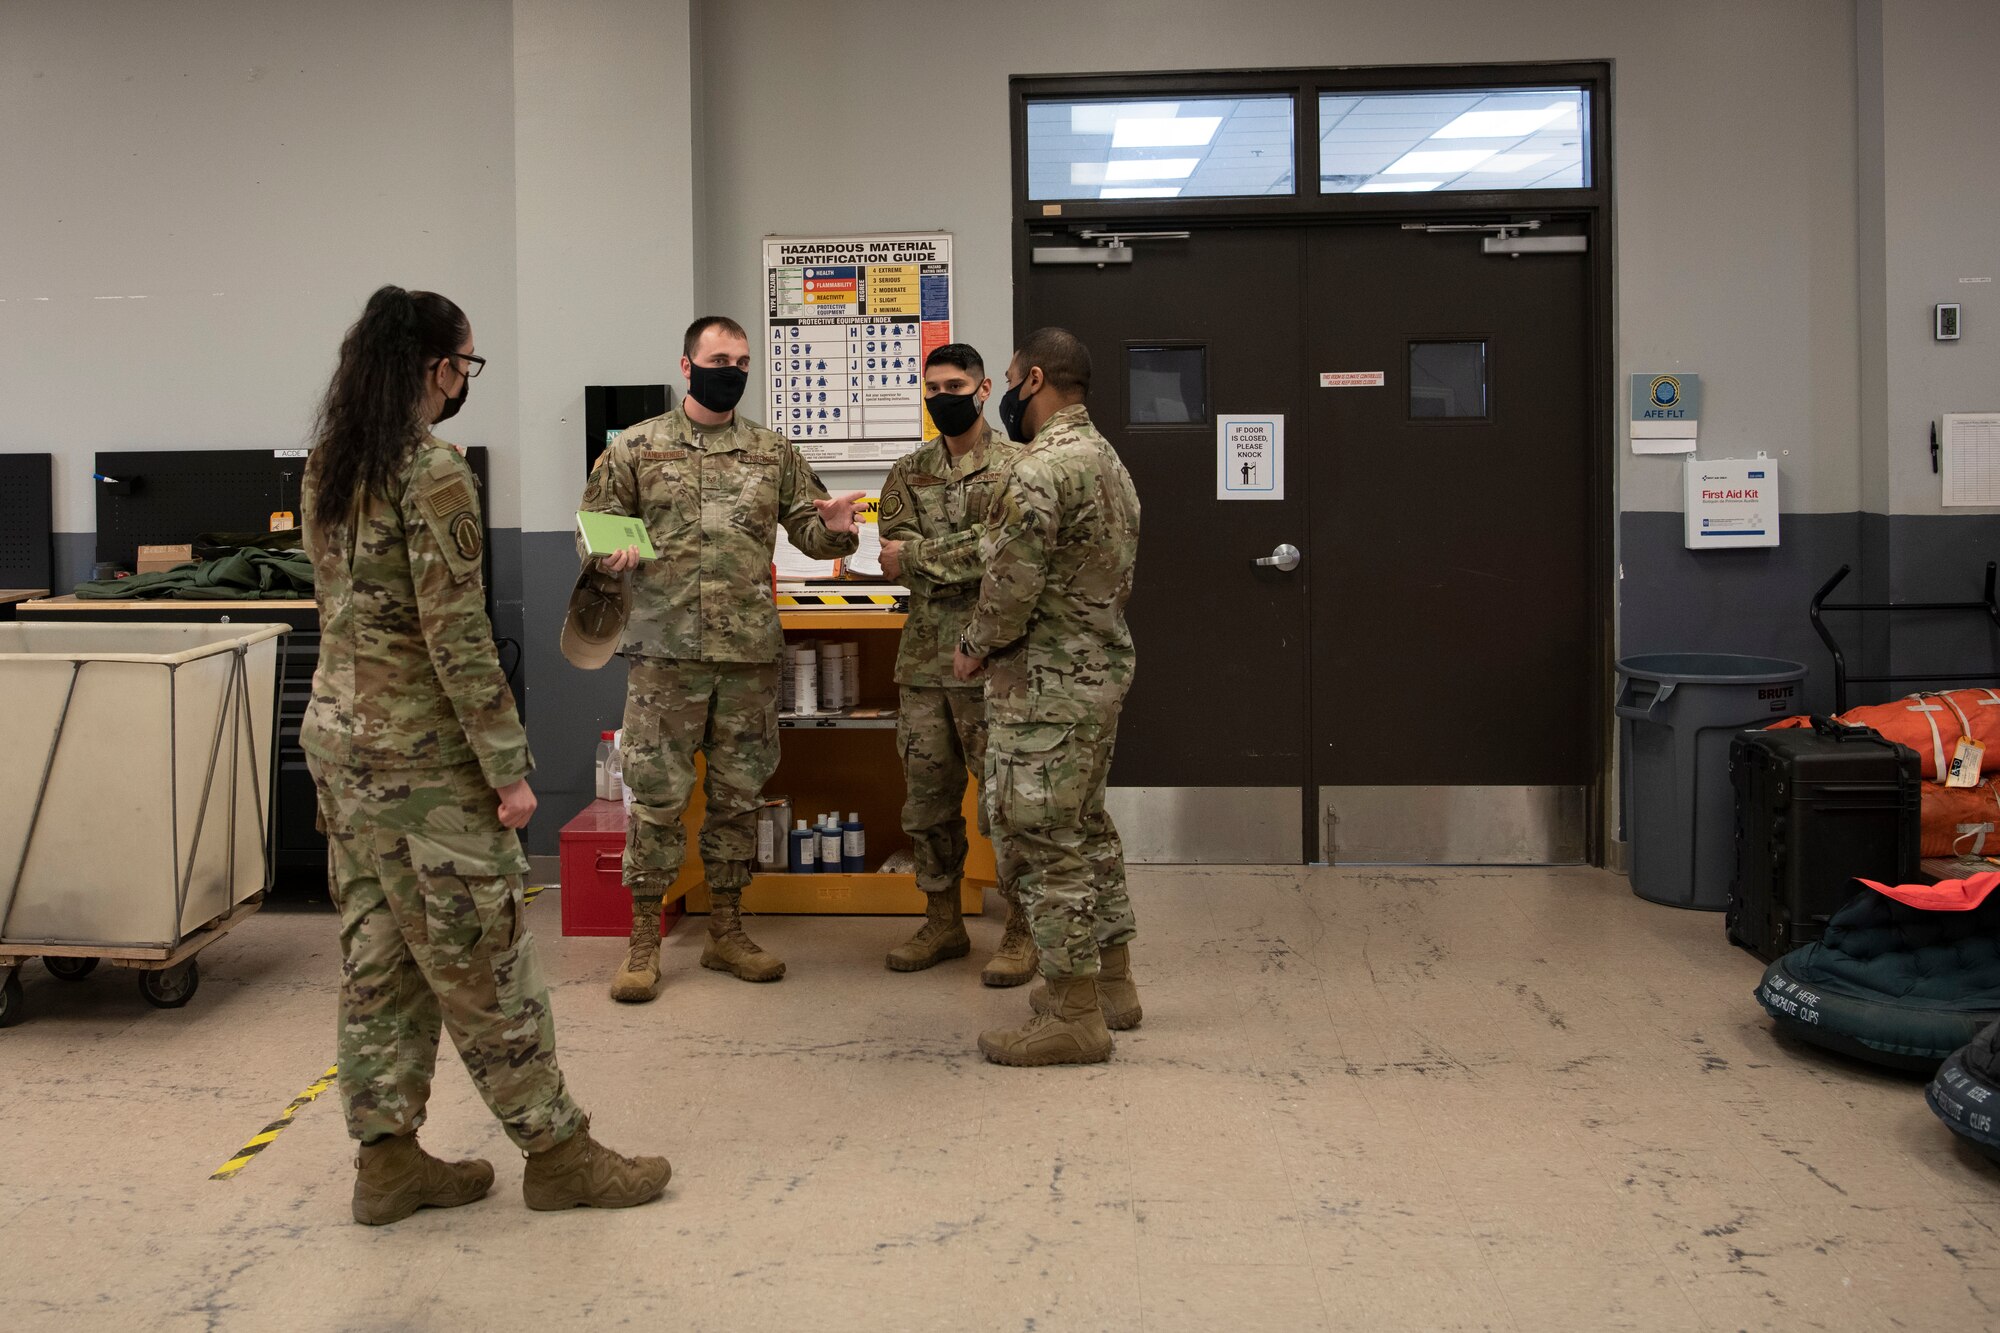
473	364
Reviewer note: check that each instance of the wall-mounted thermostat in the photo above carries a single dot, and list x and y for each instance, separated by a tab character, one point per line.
1947	321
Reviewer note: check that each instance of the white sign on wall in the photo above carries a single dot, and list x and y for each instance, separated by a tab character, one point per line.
849	321
1250	458
1666	413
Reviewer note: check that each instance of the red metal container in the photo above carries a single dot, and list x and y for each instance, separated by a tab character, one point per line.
594	898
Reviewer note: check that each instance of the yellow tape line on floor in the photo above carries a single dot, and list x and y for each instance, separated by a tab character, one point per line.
268	1135
263	1138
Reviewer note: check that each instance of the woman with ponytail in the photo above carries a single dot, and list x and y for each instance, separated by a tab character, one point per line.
422	769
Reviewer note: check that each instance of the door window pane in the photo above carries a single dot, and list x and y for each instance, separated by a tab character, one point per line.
1448	379
1166	385
1488	140
1160	148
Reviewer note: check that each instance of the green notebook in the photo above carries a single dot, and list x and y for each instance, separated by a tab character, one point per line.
606	534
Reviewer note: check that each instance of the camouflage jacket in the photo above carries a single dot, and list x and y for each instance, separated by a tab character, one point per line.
712	500
408	675
1061	543
936	506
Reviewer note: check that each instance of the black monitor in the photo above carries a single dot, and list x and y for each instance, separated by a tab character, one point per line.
610	408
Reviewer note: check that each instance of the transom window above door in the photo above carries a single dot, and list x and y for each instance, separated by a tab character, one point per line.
1161	148
1293	143
1480	139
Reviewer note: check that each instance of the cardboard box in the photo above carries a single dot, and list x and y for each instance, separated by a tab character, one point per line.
153	559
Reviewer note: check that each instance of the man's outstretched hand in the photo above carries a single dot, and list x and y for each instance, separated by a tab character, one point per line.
838	515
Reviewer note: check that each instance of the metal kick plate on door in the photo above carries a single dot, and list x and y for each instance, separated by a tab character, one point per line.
1452	826
1207	825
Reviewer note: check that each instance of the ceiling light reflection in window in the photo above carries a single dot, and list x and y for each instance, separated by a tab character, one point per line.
1207	146
1491	139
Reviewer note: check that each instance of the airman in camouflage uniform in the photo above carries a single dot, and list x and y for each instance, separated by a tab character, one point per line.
933	512
704	642
410	733
1060	547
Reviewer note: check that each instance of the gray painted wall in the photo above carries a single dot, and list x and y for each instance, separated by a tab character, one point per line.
1796	182
1755	601
201	196
1927	188
605	265
1940	196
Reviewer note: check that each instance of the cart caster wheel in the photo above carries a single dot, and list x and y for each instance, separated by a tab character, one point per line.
172	987
12	1007
70	969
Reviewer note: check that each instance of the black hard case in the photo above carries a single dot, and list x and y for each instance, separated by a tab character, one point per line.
1817	809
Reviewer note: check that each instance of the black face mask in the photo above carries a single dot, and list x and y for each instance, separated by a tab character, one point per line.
449	408
954	413
717	388
1013	407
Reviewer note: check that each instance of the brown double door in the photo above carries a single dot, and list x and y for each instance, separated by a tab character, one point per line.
1419	687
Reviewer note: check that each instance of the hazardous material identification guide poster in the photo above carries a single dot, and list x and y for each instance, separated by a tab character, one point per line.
851	319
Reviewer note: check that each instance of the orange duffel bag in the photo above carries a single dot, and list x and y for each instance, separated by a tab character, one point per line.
1930	724
1962	821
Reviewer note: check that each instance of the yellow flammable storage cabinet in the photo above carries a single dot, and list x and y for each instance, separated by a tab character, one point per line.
135	796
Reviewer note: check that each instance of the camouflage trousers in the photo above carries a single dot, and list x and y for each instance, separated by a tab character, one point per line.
941	734
1045	784
428	885
728	711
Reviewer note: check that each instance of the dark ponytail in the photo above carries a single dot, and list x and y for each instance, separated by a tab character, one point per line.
370	418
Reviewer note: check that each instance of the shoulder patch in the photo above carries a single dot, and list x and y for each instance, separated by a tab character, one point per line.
465	535
450	512
892	505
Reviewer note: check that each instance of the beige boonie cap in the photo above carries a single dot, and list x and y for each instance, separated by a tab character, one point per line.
598	608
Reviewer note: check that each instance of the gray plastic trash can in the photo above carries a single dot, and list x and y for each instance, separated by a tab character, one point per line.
1679	711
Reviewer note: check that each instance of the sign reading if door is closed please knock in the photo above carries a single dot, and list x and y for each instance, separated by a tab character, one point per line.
1250	458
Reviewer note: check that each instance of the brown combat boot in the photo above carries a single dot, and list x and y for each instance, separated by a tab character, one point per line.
729	949
1071	1033
638	979
394	1177
1115	990
1015	962
941	936
580	1172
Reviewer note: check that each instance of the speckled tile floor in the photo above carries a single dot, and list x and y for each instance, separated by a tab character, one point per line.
1361	1100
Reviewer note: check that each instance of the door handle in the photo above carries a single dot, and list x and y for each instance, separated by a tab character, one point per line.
1285	556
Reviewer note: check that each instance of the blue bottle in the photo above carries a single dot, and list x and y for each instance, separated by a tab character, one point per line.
829	845
805	850
853	844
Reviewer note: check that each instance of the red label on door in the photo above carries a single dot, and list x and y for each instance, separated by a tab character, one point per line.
1350	379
